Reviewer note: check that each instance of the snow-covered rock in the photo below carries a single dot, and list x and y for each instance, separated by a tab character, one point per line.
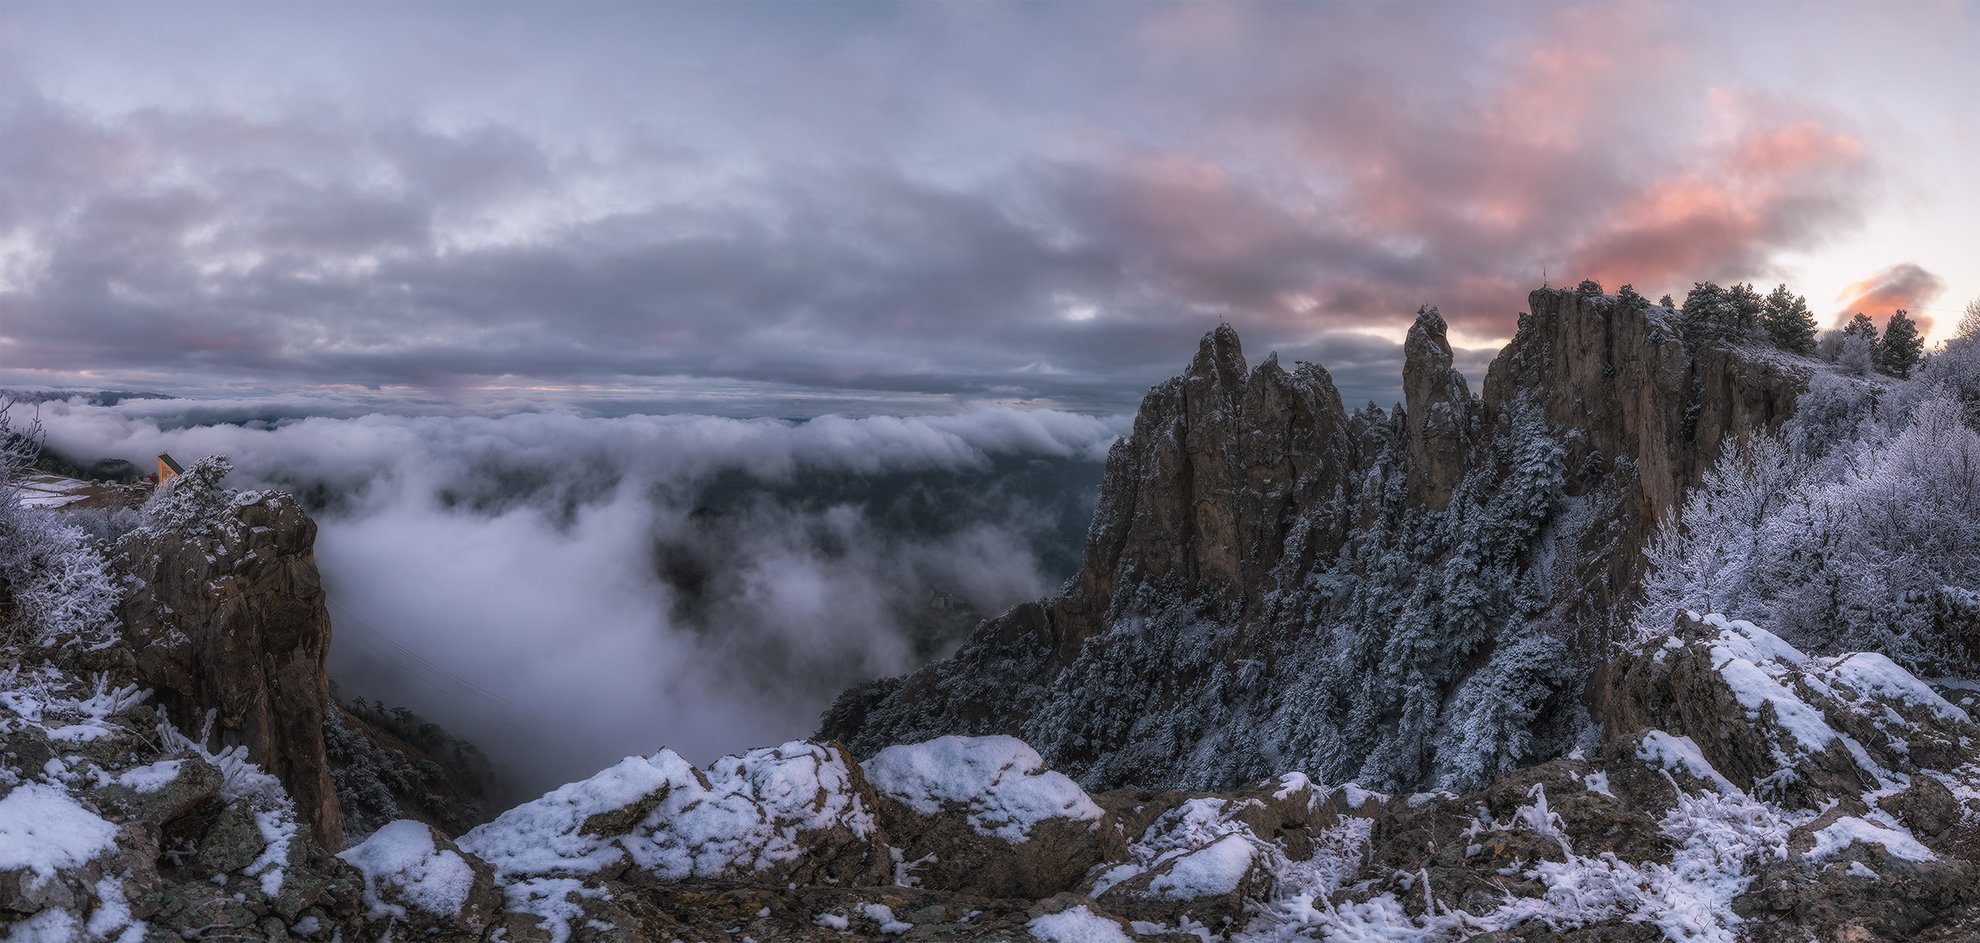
415	876
999	784
798	811
984	813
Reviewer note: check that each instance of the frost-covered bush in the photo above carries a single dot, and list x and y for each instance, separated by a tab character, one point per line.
1833	413
1828	346
1877	549
54	583
1953	371
60	585
1705	557
190	503
105	525
1855	354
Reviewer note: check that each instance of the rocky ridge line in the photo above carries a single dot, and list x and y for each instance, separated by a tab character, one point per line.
1249	522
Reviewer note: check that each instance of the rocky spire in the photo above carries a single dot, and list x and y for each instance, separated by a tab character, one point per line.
1199	498
1441	415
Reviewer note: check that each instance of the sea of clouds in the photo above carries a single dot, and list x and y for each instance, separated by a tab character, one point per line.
567	589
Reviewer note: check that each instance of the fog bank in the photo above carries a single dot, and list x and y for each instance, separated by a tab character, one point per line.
565	590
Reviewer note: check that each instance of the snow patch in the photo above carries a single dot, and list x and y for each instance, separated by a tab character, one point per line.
150	778
746	815
1211	871
43	830
1673	753
884	916
1000	782
403	857
1872	675
1850	830
1077	925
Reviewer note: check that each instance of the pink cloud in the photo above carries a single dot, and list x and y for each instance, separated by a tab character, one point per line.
1580	145
1905	285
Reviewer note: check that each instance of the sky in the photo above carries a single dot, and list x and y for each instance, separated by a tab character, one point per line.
795	209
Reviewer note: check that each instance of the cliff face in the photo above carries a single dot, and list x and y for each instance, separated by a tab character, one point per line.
1646	416
1626	381
1408	599
231	619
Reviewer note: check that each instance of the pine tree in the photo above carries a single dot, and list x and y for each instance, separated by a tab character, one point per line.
1667	301
1789	323
1707	312
1743	310
1589	288
1902	347
1860	325
1630	300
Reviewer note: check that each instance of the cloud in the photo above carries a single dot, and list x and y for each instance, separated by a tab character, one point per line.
1060	238
1905	285
624	583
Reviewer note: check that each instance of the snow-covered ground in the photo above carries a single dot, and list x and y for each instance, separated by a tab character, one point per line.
54	491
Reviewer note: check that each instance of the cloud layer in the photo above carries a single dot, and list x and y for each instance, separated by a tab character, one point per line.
619	584
926	206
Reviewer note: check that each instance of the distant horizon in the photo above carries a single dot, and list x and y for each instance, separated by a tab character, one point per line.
791	404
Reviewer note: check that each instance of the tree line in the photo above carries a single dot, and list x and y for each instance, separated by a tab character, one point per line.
1740	314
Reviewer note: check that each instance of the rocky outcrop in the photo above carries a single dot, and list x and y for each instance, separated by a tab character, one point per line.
1441	415
1800	731
229	620
1232	479
121	825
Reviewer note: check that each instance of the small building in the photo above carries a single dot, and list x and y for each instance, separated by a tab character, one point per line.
168	468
